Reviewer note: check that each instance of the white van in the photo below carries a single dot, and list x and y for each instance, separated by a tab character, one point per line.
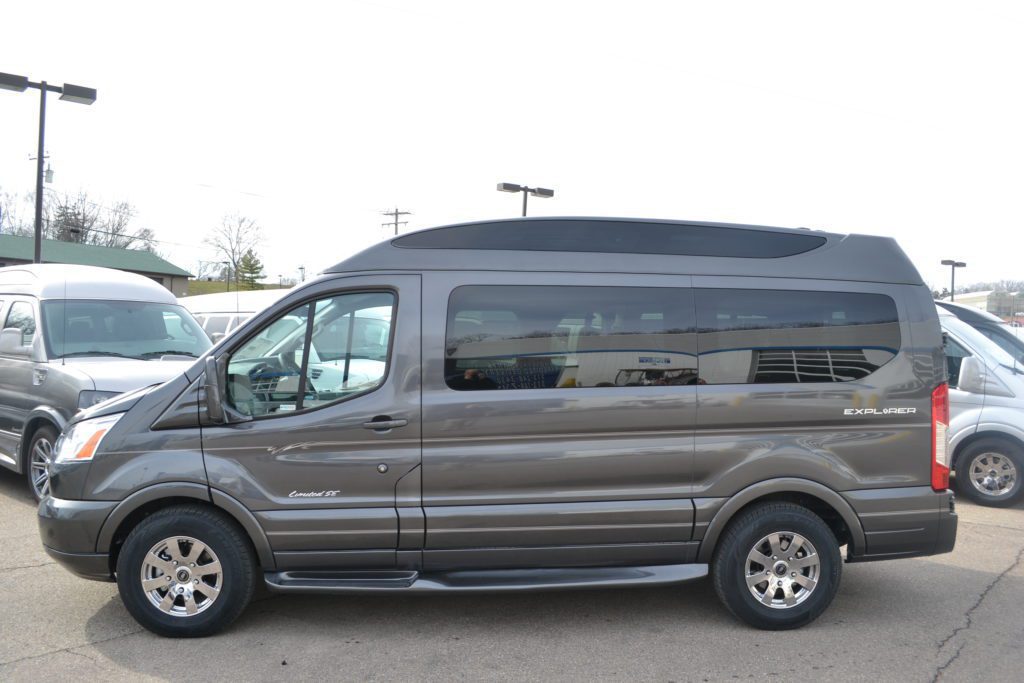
221	312
986	402
73	336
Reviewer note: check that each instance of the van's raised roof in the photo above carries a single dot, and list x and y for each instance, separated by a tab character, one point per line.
66	281
639	245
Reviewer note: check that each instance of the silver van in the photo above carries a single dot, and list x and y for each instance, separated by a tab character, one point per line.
986	401
74	336
223	312
528	405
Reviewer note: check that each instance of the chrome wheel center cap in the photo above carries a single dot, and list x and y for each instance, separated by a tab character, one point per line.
183	575
781	568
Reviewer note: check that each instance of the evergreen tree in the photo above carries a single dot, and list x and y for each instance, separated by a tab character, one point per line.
250	269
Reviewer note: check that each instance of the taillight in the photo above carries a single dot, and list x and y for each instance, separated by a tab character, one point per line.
940	437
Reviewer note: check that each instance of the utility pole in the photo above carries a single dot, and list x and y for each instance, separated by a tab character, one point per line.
394	216
302	269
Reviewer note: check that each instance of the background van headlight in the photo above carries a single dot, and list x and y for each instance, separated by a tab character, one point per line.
87	399
83	440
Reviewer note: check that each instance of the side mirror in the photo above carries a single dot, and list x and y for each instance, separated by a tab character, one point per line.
214	390
216	337
11	339
972	376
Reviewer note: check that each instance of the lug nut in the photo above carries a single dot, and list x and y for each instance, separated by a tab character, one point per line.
168	578
794	575
774	558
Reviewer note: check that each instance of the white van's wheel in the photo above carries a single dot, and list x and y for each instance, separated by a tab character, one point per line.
989	472
40	452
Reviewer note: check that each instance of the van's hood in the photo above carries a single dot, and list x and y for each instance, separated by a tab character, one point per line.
125	374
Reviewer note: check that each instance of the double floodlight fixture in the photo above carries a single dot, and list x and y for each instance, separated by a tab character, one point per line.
68	93
542	192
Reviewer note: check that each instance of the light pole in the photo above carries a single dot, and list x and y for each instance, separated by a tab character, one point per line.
71	93
227	275
541	192
953	265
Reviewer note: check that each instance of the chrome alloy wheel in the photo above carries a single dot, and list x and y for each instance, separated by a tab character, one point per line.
782	570
39	460
182	576
992	474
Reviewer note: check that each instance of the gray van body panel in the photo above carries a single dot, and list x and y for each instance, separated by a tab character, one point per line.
864	258
557	477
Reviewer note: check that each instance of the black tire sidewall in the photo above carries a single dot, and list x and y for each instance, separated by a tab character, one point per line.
731	560
989	445
225	541
51	434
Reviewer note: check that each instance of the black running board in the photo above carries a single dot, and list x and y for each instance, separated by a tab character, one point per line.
480	581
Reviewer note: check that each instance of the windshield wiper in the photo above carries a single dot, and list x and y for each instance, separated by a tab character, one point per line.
99	353
172	352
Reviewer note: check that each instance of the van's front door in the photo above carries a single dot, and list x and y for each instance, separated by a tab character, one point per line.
323	399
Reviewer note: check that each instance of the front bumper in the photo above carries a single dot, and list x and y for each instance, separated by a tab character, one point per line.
68	530
903	522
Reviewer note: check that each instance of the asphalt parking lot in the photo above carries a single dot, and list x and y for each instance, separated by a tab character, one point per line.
956	617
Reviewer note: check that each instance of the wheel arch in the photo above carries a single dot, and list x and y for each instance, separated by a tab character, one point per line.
823	501
987	432
41	416
145	502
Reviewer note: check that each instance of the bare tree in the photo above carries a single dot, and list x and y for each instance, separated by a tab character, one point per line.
235	235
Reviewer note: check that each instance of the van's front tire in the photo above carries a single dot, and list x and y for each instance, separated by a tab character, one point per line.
186	571
989	472
37	460
777	566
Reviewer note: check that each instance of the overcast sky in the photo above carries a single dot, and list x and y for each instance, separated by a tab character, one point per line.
891	118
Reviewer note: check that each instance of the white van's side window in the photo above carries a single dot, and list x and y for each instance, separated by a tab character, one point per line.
22	317
349	335
955	355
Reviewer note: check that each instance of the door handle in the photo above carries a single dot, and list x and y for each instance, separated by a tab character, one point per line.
383	423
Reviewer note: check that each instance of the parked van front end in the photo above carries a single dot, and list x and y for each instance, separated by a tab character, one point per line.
526	405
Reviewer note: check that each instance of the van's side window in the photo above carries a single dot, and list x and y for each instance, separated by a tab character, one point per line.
276	372
772	336
23	318
533	337
955	355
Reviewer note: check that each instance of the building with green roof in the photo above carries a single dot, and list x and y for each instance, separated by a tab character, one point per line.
16	249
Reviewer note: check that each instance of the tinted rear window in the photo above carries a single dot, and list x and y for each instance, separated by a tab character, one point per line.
616	237
772	336
524	337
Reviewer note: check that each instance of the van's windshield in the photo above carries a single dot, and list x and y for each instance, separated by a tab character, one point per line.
983	345
127	329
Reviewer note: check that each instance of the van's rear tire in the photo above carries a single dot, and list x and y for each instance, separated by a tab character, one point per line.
186	571
777	566
989	472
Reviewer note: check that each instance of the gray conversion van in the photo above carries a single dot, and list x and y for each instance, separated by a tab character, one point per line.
532	404
73	336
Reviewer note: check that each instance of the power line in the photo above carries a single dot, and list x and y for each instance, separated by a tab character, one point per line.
395	214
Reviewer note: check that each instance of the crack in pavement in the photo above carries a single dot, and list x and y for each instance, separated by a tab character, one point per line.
27	566
994	526
949	663
969	615
70	648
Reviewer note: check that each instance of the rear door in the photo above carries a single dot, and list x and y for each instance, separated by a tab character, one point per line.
329	389
558	419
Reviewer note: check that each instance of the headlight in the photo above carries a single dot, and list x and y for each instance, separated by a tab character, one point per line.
87	399
83	440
